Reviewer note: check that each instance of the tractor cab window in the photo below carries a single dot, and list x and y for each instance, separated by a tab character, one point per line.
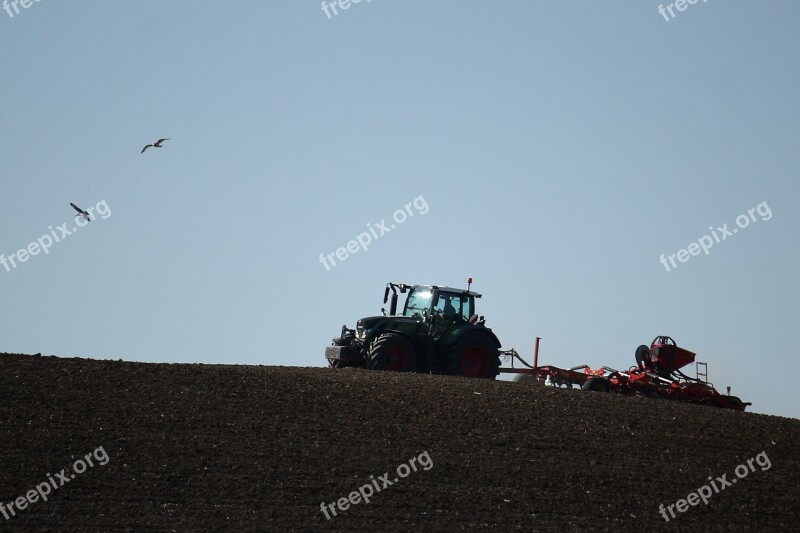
451	305
418	301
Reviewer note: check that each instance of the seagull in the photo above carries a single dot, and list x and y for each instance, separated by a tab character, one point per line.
156	144
81	212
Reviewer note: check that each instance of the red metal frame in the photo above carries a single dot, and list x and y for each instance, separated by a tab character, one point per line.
655	378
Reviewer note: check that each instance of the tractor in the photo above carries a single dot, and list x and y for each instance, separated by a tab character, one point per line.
438	332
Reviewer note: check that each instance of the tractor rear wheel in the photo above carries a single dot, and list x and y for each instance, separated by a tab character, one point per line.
597	384
474	355
392	352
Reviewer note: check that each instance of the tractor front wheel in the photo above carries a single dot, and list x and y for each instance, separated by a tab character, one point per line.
474	355
392	352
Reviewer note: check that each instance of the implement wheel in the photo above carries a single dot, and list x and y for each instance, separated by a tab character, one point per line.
710	402
737	403
651	393
597	384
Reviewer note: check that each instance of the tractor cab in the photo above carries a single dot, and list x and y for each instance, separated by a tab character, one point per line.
430	302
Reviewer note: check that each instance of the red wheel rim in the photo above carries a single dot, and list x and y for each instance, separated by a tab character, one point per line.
395	358
474	362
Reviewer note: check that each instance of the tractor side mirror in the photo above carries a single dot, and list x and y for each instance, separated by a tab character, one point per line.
386	295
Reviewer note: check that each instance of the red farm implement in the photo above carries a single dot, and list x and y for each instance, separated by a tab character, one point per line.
656	374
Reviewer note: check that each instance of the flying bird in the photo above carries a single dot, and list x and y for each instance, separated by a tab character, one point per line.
156	144
81	212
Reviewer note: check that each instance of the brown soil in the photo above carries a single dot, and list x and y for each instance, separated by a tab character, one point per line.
199	447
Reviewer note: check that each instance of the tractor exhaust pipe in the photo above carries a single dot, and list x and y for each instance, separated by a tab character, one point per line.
393	306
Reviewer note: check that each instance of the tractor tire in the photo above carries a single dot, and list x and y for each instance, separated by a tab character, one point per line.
392	352
597	384
474	355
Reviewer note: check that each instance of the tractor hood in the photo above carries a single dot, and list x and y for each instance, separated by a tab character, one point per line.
368	323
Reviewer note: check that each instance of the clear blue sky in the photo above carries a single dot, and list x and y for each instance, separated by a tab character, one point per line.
561	148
